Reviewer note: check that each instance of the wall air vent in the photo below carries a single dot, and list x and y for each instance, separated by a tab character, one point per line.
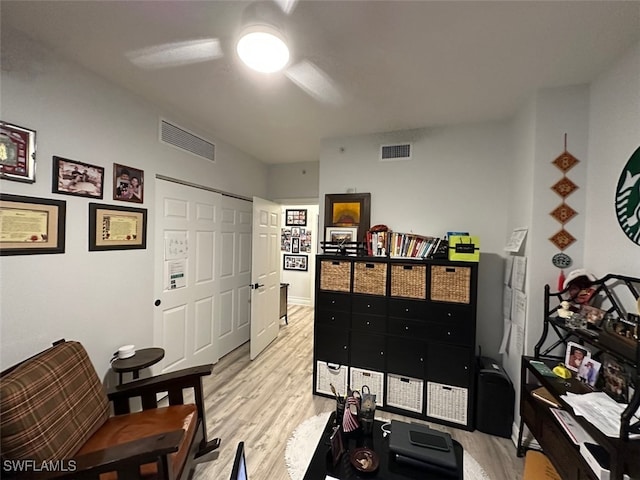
395	152
180	138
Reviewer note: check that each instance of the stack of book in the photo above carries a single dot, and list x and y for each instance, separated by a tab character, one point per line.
378	243
411	245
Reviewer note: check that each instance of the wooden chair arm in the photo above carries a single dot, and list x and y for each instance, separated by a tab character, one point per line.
125	459
172	383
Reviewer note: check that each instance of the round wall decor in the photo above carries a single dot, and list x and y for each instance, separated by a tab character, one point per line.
628	198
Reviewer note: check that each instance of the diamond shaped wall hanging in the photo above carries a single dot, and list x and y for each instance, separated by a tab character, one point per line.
563	213
562	239
564	187
565	161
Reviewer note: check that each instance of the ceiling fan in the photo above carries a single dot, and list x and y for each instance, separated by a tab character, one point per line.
258	16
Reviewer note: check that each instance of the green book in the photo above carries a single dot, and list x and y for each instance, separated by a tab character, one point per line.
542	368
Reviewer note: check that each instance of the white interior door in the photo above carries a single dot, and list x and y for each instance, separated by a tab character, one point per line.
186	280
265	275
235	274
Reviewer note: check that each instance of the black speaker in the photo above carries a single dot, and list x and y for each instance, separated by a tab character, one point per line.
495	399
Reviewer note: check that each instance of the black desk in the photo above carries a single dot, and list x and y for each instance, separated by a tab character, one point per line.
143	358
321	463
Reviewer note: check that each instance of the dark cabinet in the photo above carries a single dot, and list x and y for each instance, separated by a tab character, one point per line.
376	317
610	292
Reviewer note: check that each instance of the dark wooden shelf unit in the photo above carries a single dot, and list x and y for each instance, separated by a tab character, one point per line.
402	320
624	452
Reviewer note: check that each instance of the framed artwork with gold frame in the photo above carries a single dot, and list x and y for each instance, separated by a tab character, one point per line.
348	210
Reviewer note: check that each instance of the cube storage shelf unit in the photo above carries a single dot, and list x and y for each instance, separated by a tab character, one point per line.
405	328
624	453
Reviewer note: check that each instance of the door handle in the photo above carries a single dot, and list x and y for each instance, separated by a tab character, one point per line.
256	285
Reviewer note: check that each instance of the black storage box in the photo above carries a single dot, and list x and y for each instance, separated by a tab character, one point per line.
495	399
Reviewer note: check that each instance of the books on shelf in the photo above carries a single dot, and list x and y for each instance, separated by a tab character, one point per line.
378	243
541	393
411	245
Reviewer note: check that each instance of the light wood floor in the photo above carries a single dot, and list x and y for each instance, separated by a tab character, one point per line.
263	401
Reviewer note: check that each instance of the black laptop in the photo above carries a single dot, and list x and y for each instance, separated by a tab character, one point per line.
420	445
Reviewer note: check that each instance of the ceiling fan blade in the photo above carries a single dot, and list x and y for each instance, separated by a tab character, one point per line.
176	54
286	6
315	82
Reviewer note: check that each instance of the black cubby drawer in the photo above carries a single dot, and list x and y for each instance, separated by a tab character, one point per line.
369	304
460	335
452	314
407	308
334	301
369	323
334	318
407	328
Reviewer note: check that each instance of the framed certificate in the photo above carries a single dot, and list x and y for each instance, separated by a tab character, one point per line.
114	227
30	225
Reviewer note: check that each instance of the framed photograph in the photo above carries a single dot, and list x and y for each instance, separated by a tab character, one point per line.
71	177
285	240
341	234
128	183
575	355
295	262
295	245
295	217
588	371
337	447
593	315
114	227
30	225
614	379
348	210
17	153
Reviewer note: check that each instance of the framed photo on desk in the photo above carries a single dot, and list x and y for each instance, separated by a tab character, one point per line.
337	447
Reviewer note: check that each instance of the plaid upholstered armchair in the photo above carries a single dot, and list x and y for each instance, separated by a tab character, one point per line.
56	421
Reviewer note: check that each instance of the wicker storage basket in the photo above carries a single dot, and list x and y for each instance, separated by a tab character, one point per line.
451	284
370	277
335	275
409	281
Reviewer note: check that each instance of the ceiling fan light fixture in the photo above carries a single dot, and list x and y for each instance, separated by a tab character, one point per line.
263	48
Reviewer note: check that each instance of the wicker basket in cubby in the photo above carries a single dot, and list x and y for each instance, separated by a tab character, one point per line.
370	277
450	284
335	275
409	281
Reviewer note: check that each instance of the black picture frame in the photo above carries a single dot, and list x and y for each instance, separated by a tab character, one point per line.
71	177
295	217
132	227
47	212
348	210
296	262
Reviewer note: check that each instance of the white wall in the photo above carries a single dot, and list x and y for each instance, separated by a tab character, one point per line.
293	181
538	133
458	179
614	134
302	284
103	299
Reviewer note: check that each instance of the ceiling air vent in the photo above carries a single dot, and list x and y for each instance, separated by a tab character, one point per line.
180	138
395	152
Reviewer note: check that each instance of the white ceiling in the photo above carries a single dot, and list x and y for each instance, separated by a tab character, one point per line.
399	64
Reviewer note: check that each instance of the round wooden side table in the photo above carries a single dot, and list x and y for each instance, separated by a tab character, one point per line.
145	357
